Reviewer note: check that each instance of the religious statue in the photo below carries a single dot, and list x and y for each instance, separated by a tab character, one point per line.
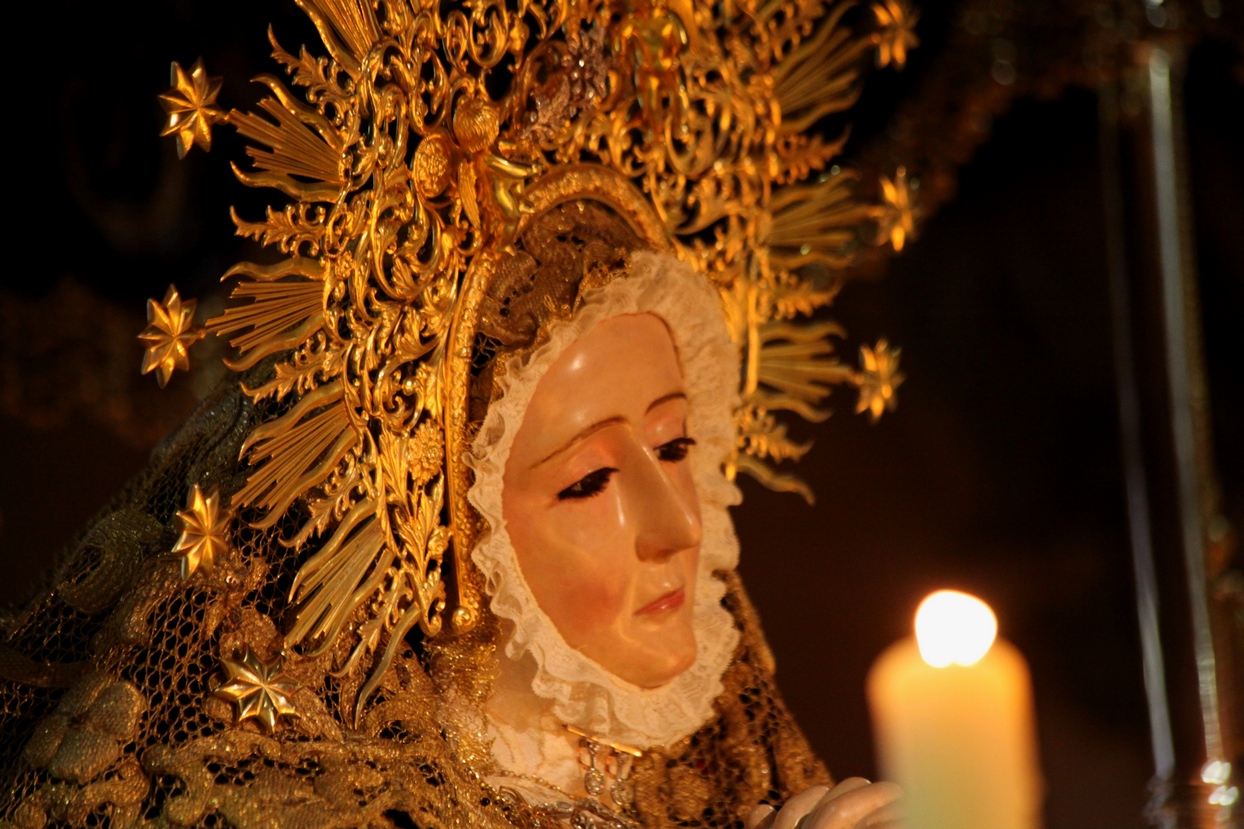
453	549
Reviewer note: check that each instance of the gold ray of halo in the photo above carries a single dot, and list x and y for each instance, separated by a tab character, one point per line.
303	142
821	76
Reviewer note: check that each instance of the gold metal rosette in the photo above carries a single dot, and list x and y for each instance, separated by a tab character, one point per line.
415	150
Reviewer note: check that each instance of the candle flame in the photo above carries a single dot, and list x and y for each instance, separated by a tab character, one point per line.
954	628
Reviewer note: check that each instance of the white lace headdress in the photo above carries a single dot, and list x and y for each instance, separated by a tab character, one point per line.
581	692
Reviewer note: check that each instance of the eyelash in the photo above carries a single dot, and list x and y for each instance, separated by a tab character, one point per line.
595	482
676	450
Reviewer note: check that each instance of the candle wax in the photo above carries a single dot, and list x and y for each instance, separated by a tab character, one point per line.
960	740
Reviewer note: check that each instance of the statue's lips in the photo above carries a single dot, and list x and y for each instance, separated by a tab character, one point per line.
671	601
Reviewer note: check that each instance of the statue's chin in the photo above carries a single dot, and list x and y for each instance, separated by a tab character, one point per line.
648	665
674	671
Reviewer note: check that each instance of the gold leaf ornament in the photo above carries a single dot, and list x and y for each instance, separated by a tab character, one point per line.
475	124
897	36
189	104
425	453
204	532
258	689
878	379
433	166
169	334
896	215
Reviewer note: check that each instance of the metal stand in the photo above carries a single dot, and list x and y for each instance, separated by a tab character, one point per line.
1163	408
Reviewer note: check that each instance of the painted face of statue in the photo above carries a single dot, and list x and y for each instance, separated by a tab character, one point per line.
600	502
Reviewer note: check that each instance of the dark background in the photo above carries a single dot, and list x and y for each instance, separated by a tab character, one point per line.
999	474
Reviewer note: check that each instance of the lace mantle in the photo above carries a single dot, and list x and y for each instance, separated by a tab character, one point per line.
581	692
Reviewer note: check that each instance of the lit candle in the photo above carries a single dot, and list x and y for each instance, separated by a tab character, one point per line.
952	713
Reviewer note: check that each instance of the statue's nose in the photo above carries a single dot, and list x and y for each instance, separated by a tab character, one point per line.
666	520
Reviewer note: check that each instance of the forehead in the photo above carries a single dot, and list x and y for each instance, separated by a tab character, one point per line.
617	369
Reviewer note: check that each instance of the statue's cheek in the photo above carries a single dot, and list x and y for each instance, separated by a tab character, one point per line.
589	600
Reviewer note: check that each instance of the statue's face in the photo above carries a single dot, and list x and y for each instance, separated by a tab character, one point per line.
600	502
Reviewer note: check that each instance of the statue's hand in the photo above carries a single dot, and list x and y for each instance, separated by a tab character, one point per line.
852	804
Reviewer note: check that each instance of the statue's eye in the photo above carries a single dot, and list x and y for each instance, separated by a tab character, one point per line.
593	483
676	450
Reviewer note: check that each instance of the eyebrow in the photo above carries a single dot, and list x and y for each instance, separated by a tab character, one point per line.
609	421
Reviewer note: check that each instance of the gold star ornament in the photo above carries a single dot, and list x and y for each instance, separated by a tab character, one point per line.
897	20
189	107
204	532
258	689
169	334
897	218
878	379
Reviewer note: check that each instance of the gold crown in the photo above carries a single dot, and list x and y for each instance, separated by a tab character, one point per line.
418	150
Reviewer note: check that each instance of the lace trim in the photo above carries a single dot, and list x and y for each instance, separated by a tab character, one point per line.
580	690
